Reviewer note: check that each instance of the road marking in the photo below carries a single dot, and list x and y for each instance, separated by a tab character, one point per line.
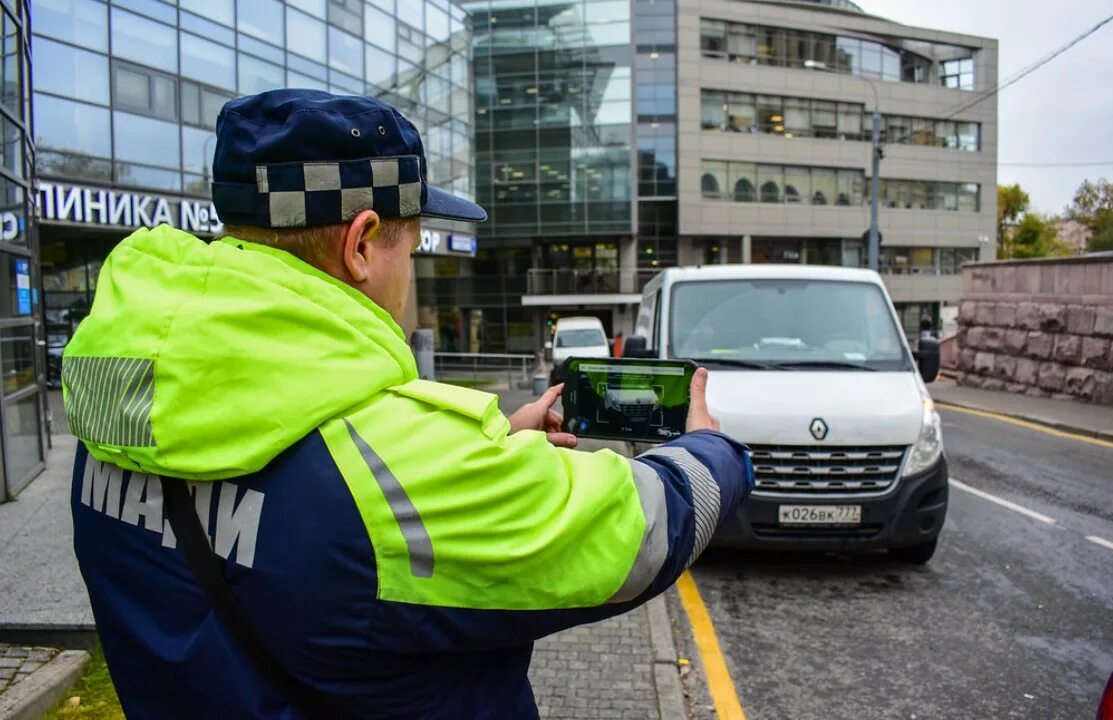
723	694
1100	541
1025	424
1003	502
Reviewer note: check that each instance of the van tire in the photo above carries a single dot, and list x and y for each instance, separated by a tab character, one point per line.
914	554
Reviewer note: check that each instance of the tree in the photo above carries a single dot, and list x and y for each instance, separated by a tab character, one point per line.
1033	237
1012	202
1093	203
1102	240
1093	207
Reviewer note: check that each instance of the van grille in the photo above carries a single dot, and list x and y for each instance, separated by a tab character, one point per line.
809	470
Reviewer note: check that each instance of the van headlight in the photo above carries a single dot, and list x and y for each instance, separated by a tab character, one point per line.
929	445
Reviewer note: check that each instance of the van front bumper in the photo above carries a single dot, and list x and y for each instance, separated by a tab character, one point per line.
911	514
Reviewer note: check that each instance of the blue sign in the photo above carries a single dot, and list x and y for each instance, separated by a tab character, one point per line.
23	287
461	243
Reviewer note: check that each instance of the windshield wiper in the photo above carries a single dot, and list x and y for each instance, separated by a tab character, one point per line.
834	364
733	362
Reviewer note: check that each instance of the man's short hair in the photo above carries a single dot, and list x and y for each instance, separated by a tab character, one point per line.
315	245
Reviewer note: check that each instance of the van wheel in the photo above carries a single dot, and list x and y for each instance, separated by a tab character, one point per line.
914	554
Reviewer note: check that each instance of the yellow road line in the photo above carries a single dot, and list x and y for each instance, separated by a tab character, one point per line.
1025	424
723	694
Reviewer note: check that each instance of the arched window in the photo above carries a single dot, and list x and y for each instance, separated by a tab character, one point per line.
844	199
792	195
743	191
770	193
819	198
709	185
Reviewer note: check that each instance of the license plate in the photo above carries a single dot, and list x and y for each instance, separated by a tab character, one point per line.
819	515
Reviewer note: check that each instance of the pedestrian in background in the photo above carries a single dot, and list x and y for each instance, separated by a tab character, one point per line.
352	541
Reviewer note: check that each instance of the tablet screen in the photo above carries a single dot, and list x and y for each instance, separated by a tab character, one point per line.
633	400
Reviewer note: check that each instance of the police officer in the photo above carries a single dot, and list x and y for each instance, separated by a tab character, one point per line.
276	518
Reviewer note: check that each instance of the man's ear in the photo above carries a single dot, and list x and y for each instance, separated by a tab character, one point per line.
358	245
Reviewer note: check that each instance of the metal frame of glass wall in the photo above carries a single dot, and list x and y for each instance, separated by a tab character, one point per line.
128	93
21	362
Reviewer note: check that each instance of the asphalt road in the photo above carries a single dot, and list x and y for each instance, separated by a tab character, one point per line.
1013	618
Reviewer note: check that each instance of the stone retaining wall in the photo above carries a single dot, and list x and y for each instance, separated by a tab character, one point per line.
1041	327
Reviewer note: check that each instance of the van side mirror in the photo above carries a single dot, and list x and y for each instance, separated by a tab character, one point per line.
927	357
635	347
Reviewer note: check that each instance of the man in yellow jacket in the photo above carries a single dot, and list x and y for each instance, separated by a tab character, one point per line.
276	519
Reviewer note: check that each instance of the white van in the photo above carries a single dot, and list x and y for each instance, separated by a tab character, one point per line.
577	337
809	367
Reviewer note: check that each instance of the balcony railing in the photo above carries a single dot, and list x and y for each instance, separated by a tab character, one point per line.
567	281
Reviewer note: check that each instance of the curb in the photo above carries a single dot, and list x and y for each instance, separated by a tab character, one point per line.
36	694
1034	419
666	676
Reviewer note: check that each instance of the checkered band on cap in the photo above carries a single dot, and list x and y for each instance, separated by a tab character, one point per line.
326	193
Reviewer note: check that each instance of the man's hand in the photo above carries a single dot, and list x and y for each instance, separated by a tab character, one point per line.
539	415
699	417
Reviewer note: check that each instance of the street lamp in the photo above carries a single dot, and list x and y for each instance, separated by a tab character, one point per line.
873	250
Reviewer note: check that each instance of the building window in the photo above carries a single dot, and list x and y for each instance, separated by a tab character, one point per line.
65	70
144	41
81	22
208	62
201	105
145	140
958	74
930	195
72	126
144	91
263	19
748	182
784	47
800	117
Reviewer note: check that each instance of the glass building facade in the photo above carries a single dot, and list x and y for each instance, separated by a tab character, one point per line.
23	365
127	95
575	127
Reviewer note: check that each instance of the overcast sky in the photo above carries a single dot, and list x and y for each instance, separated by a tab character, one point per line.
1062	112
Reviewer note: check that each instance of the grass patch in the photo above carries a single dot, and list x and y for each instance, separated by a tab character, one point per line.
473	383
95	693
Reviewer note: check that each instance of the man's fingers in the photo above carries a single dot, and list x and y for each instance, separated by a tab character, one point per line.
565	440
551	395
554	420
698	402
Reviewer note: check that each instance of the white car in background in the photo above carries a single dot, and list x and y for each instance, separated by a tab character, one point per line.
577	337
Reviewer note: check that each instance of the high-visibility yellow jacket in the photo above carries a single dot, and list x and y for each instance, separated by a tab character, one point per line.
395	548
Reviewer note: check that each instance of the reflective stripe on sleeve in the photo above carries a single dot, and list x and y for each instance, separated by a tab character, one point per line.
655	542
705	494
405	514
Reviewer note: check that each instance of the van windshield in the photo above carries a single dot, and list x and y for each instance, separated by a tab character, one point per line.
812	324
586	337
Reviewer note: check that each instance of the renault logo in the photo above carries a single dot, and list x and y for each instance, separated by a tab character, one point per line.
818	428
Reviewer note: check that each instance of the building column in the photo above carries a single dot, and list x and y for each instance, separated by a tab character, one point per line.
685	251
628	265
747	249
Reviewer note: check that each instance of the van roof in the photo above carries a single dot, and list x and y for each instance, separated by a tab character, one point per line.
769	271
573	323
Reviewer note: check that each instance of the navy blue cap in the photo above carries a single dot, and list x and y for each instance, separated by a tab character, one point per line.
301	158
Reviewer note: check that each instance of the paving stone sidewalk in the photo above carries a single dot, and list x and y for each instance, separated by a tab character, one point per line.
602	671
17	662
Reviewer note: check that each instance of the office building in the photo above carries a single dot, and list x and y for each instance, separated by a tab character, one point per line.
127	94
614	138
22	431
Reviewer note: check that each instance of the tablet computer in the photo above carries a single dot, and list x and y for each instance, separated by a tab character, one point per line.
634	400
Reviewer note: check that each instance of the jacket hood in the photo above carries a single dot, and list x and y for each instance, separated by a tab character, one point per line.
206	360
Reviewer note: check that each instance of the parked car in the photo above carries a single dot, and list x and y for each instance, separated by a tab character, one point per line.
577	337
809	367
